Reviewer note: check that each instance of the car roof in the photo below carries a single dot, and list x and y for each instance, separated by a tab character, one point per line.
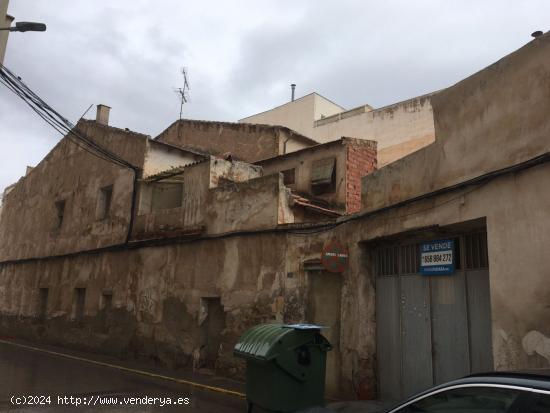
536	379
531	379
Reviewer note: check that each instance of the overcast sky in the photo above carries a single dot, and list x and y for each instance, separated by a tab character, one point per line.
241	57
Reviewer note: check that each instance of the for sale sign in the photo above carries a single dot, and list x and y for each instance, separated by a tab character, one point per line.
437	257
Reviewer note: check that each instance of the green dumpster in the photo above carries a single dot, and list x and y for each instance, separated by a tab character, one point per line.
285	366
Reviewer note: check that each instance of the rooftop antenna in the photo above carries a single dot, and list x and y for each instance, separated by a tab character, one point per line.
183	92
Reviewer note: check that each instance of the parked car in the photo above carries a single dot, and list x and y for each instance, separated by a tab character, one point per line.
520	392
497	392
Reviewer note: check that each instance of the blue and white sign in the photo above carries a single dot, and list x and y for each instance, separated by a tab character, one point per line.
436	257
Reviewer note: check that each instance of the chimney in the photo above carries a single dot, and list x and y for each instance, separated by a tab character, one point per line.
102	115
293	88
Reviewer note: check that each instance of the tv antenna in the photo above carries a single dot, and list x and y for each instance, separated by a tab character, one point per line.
183	92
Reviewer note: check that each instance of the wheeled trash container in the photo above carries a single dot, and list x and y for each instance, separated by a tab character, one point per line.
285	366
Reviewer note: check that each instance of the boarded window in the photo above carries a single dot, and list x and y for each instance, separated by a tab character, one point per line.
104	203
60	213
166	196
43	303
289	176
323	176
79	303
107	301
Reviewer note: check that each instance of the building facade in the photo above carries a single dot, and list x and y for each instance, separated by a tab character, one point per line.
217	246
398	129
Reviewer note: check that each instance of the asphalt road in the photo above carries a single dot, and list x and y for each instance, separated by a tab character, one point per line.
49	380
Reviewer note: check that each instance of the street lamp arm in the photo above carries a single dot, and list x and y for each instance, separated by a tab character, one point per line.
26	27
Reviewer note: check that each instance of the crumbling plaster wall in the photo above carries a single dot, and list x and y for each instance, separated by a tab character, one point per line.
156	297
302	165
157	291
160	158
245	142
494	119
29	225
399	129
130	146
220	196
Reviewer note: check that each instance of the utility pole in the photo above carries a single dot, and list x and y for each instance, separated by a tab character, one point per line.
5	21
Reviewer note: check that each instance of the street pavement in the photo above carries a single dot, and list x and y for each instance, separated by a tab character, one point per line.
49	381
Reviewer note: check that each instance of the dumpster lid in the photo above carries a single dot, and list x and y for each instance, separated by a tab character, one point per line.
305	326
263	341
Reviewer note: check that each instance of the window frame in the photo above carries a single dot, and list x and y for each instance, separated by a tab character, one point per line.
321	187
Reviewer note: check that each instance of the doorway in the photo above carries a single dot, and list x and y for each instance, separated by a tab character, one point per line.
324	308
212	328
431	329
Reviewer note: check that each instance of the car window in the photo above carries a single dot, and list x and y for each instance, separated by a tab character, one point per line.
465	400
542	405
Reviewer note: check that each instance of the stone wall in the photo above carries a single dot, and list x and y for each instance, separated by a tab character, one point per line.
245	142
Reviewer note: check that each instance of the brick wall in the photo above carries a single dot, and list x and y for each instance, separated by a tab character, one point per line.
361	160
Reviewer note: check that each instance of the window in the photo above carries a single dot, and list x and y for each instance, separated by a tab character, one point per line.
289	176
60	213
464	400
323	176
43	303
78	303
166	196
106	301
105	198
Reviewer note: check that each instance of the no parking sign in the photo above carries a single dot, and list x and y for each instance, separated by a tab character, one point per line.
334	257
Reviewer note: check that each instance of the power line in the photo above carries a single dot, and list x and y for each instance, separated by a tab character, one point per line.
66	128
55	120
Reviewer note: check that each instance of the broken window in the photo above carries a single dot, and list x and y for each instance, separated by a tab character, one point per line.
60	213
43	303
289	176
166	196
323	176
104	204
78	303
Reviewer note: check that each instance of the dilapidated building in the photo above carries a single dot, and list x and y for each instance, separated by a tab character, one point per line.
193	248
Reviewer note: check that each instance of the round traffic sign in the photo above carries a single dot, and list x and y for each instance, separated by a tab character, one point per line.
334	257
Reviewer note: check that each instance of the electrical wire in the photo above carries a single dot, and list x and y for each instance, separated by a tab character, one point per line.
54	119
61	125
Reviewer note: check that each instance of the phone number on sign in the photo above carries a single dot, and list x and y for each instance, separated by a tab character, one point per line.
436	258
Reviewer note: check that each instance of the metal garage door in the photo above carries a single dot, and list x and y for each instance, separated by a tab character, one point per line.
431	329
